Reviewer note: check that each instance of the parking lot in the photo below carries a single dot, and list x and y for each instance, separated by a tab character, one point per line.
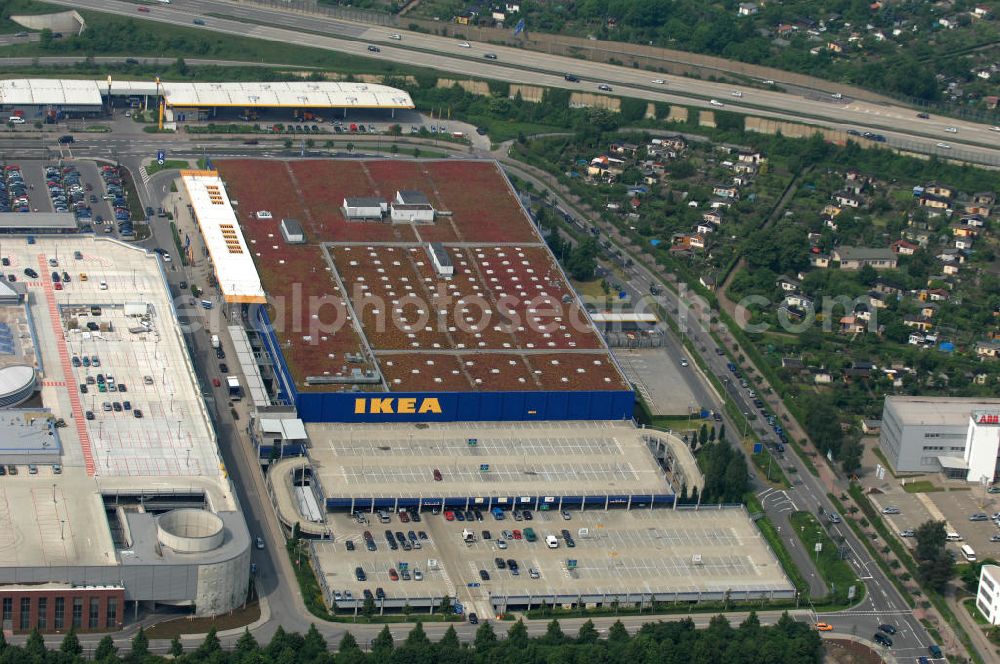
658	377
627	557
953	506
34	174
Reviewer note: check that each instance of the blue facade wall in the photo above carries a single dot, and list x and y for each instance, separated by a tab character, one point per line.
442	406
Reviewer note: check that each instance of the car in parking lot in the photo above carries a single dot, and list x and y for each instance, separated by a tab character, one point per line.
360	575
566	515
501	544
473	618
979	516
907	533
484	575
500	563
890	509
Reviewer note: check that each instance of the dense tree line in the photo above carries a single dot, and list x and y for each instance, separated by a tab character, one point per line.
935	566
677	642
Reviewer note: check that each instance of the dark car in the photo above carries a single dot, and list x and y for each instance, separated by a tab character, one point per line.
65	140
349	545
223	367
484	575
923	116
473	619
374	49
500	563
882	640
888	629
359	574
379	593
490	56
571	78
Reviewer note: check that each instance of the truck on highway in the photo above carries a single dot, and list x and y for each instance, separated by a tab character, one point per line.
235	392
216	343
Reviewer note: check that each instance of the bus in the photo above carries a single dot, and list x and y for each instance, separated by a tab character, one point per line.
969	554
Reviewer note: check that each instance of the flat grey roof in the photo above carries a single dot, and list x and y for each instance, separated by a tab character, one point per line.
39	220
554	458
364	201
940	411
26	431
659	551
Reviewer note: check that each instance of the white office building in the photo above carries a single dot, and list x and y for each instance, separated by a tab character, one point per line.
959	437
988	595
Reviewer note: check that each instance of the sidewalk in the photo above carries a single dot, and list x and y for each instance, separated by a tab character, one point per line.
987	650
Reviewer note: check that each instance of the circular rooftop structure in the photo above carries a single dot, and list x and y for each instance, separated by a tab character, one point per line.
17	384
190	530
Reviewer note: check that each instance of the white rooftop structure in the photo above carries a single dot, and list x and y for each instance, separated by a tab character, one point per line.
292	94
234	268
286	428
49	91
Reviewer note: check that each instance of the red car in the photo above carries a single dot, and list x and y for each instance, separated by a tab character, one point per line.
437	475
216	383
449	516
517	534
404	517
57	285
393	574
144	10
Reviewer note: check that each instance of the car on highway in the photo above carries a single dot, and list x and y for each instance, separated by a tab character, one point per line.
198	21
736	93
490	56
260	542
571	78
951	130
144	10
943	146
659	81
716	103
684	362
604	87
374	49
824	627
994	128
396	36
66	140
464	45
923	116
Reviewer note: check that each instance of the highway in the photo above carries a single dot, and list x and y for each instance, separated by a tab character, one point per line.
972	142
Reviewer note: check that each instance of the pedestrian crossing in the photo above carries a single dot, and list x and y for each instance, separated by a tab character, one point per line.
144	175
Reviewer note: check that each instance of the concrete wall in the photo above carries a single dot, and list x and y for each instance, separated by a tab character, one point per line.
531	93
678	114
222	586
66	22
480	88
590	100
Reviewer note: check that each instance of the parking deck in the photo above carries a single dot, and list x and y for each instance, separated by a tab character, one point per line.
593	464
640	556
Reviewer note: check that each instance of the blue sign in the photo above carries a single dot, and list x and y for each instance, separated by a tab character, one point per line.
187	240
160	155
458	608
519	28
484	467
758	448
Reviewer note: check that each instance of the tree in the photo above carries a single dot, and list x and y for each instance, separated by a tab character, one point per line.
554	634
703	434
246	643
71	644
106	650
588	633
140	645
34	647
417	636
450	640
208	647
617	633
176	647
382	644
930	537
348	643
850	456
445	605
517	635
181	67
313	645
485	636
935	572
368	608
711	434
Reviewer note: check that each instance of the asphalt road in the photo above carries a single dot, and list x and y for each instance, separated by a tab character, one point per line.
899	124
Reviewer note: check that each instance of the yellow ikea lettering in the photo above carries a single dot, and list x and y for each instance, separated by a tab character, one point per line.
430	406
404	406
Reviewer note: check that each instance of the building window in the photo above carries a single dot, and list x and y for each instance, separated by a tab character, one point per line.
25	622
95	613
43	613
8	610
77	612
60	618
112	615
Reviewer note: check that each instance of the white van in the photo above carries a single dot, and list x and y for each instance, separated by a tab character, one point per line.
552	541
16	119
952	537
969	554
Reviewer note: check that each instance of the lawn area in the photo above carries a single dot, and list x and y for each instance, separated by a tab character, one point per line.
835	570
921	486
167	165
970	606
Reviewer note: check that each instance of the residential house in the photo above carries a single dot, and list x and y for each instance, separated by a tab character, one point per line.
950	269
748	9
988	349
951	255
822	378
937	295
793	364
918	322
751	157
982	11
929	309
904	248
712	217
627	149
703	228
697	241
798	301
962	229
871	427
882	286
605	168
964	243
878	300
746	167
854	258
916	339
831	210
787	284
935	189
465	18
934	202
987	198
949	22
973	220
707	281
821	261
725	190
835	46
851	325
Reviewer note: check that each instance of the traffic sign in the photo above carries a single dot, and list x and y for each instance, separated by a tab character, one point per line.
484	467
758	448
473	442
160	156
